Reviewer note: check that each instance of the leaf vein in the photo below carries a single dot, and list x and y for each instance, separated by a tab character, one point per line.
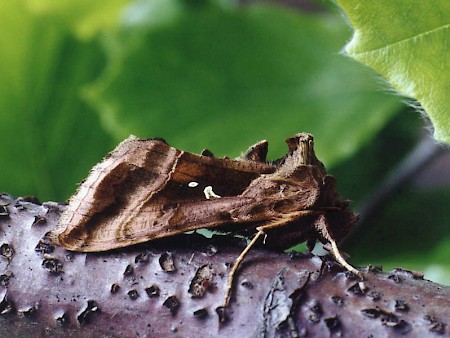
411	38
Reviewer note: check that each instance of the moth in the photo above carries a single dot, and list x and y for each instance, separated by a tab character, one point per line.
146	189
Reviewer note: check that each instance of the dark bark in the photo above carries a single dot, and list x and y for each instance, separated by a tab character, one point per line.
172	288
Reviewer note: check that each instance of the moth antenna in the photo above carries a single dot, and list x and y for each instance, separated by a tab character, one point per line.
236	266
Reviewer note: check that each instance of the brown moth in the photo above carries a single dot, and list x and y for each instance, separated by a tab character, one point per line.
146	189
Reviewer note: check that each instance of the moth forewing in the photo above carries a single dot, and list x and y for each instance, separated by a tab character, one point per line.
142	191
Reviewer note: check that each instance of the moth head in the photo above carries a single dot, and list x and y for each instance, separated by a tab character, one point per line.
301	154
301	147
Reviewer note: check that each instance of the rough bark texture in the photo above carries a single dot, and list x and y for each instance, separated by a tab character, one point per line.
172	288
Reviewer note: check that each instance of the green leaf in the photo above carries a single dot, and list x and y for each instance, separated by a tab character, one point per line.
50	137
84	17
407	42
224	78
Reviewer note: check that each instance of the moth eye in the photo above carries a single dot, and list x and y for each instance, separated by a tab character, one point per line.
192	184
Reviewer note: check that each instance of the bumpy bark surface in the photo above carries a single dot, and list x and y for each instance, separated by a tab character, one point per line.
172	288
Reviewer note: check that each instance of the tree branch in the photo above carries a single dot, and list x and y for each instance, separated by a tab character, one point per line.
173	287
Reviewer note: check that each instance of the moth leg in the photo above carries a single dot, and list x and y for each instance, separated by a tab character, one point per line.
236	266
321	226
311	243
287	218
337	255
274	224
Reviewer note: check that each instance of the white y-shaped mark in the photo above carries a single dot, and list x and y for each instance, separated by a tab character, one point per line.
210	193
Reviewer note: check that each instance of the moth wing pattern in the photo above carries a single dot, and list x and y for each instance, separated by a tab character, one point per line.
142	191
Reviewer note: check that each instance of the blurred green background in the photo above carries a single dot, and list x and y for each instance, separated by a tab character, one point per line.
78	77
